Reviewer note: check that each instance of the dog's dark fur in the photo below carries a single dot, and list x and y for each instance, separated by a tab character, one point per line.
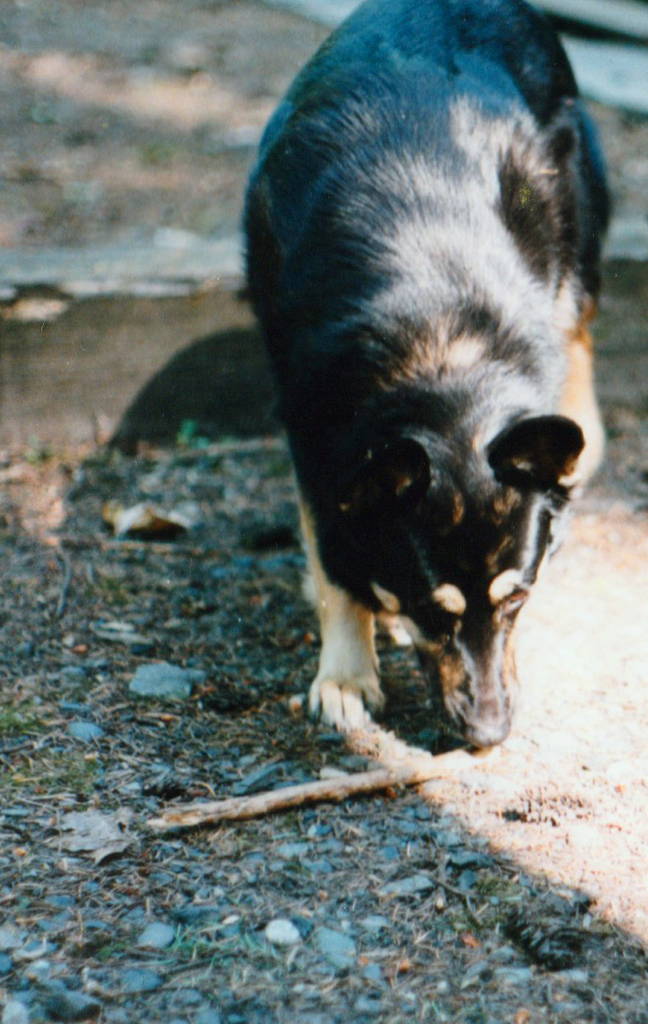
423	225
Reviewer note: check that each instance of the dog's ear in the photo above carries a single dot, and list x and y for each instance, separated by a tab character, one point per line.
391	478
539	450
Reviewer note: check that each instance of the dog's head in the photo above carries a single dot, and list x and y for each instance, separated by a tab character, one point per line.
453	540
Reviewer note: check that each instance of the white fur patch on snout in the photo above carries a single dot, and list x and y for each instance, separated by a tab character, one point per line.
388	600
504	585
450	598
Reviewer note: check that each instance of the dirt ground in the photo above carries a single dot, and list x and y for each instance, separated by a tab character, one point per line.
515	891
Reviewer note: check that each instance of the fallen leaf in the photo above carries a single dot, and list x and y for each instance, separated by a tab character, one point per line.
144	520
102	835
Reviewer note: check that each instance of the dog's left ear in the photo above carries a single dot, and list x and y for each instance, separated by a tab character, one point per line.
392	478
541	450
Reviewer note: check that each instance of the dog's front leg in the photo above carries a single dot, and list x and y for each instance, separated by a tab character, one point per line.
347	681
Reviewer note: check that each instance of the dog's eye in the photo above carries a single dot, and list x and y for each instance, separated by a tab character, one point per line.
511	605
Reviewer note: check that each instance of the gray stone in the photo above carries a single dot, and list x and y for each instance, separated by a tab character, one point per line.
367	1005
139	979
293	851
513	975
157	935
6	964
10	937
209	1016
85	731
408	886
374	923
338	949
67	1005
15	1012
281	932
318	866
372	972
164	680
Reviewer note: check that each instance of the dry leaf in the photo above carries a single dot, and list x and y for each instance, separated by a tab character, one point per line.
102	835
144	520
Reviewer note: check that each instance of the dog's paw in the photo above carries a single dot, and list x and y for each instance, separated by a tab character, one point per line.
344	703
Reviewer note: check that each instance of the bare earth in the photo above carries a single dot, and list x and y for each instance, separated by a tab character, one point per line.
126	119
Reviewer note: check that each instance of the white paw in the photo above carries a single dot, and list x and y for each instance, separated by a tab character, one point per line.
344	703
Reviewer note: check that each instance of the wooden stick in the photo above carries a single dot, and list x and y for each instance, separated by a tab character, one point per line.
418	767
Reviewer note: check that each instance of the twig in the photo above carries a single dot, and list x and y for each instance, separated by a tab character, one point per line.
417	767
65	585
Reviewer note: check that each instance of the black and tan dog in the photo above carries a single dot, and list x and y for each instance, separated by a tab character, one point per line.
423	227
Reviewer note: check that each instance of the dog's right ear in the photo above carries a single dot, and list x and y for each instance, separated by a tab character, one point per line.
391	478
540	450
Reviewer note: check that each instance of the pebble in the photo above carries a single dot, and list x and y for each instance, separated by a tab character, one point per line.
157	935
513	975
281	932
10	937
318	866
209	1016
6	964
15	1012
67	1005
292	851
73	673
372	972
408	886
365	1004
198	913
469	859
85	731
165	680
338	949
137	979
374	923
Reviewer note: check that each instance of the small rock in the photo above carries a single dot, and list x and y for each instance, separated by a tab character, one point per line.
198	913
157	936
165	680
475	973
73	673
15	1012
365	1004
408	886
10	937
318	866
292	851
513	975
467	880
338	949
469	859
39	971
137	979
374	923
209	1016
85	731
6	964
372	972
67	1005
281	932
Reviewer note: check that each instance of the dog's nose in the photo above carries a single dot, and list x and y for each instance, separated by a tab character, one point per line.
487	732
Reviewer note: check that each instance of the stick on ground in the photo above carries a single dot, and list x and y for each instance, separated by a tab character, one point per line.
410	770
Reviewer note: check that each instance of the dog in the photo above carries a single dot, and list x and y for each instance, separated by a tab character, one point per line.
423	230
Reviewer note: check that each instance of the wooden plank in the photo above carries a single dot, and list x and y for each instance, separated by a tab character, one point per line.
623	16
